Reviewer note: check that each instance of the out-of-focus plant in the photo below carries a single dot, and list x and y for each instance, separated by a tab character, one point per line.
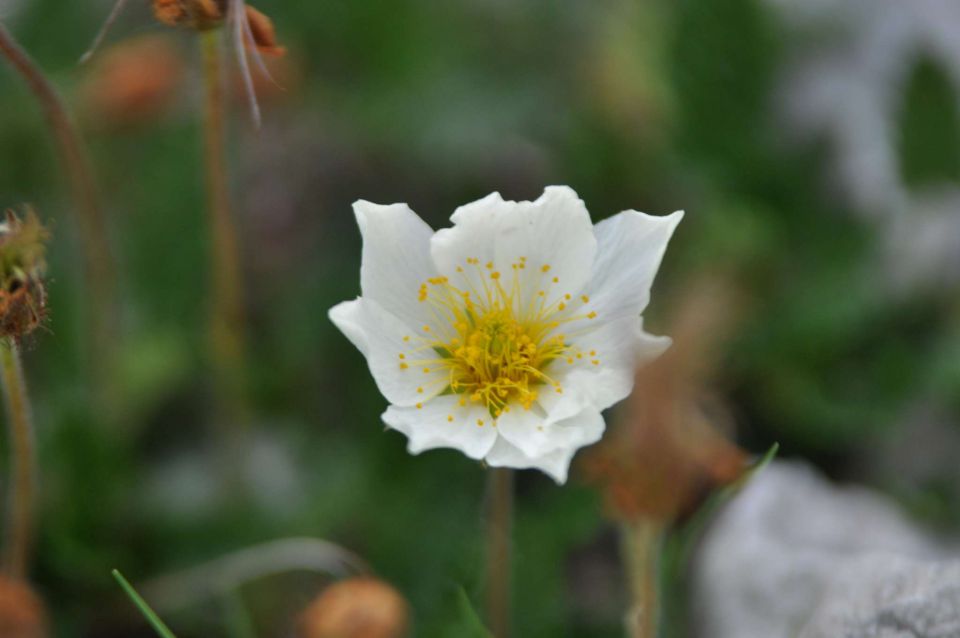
23	300
99	269
250	30
665	454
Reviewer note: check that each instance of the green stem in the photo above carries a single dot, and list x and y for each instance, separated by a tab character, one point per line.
98	266
226	313
22	484
499	531
641	545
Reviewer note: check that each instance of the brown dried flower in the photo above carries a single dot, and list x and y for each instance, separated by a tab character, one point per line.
665	453
21	611
361	607
23	297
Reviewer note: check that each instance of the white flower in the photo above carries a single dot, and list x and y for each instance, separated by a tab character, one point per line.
507	334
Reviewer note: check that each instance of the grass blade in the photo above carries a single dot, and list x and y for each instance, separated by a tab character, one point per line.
144	608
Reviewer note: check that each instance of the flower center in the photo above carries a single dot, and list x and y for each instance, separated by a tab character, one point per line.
495	344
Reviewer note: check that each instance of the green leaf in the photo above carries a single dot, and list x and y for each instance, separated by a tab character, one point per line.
470	623
144	608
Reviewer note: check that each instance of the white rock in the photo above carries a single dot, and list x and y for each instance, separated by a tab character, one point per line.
771	556
890	597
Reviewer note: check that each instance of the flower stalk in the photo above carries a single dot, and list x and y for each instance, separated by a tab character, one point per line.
641	541
226	313
499	533
23	482
98	268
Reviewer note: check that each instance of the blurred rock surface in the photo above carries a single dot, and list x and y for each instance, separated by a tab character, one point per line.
791	541
892	598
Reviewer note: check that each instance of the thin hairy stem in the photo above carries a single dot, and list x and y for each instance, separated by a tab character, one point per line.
98	267
641	542
226	313
499	531
23	480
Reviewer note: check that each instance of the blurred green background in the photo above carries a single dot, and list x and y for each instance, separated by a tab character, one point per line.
846	352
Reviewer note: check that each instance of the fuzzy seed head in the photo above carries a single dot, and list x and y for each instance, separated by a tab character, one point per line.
23	297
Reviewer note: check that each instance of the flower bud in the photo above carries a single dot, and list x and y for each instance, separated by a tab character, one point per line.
360	607
21	612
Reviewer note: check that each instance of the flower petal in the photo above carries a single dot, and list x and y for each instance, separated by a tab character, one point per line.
618	348
551	238
630	248
556	463
430	427
396	259
472	236
535	437
554	236
379	335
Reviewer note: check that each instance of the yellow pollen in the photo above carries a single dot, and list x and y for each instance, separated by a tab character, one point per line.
492	344
450	418
419	406
480	422
406	338
592	315
420	390
403	356
593	353
546	268
403	366
595	362
585	298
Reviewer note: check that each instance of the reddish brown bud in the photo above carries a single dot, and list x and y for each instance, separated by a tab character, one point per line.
264	35
356	608
21	612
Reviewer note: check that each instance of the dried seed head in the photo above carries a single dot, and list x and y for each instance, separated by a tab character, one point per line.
21	612
356	608
194	14
23	297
